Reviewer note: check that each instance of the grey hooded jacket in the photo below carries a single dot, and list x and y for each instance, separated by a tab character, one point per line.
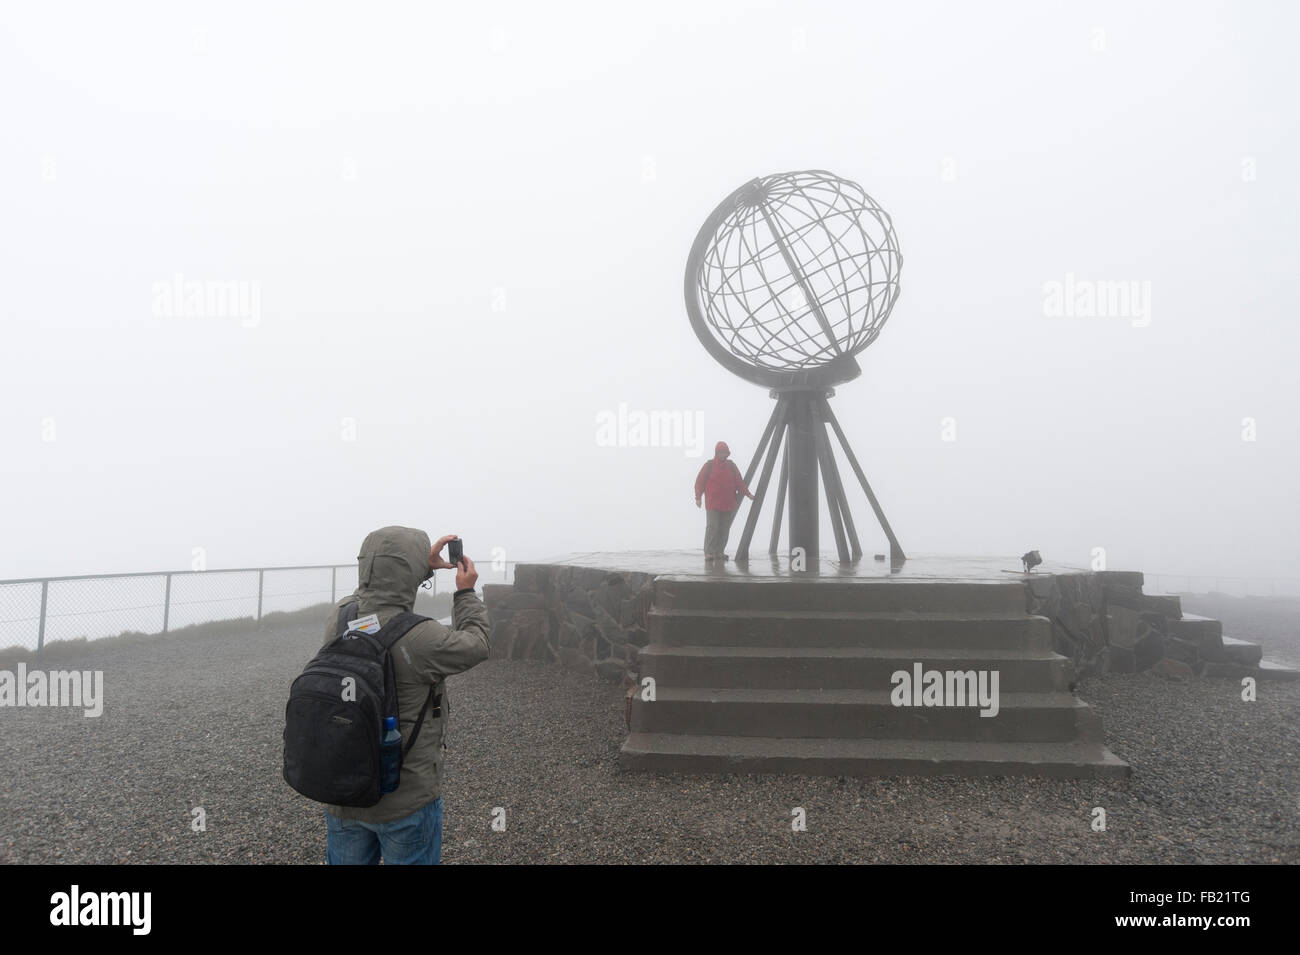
393	562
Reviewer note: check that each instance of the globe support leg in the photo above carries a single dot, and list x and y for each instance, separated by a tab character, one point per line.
804	518
835	486
775	429
834	504
896	555
782	483
776	418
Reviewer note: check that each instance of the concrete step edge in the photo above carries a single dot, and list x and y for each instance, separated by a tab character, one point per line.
794	652
883	616
1051	700
927	753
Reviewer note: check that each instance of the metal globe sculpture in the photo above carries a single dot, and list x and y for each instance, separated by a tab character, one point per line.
792	276
795	272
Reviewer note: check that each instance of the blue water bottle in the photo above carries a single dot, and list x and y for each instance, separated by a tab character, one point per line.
390	756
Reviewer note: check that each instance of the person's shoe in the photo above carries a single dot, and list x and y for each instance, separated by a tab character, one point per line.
723	557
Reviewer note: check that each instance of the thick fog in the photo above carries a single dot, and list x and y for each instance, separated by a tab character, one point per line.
458	234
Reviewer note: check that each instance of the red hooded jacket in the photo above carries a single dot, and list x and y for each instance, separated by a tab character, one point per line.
719	480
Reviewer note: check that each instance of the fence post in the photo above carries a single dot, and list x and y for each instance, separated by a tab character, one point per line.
167	603
261	574
334	576
40	635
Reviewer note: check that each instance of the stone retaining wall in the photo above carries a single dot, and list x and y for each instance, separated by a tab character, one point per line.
584	618
1106	624
594	620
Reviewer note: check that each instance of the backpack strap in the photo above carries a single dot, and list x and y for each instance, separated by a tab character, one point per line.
396	628
345	612
419	720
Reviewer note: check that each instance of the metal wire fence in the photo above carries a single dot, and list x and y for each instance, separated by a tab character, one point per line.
1232	586
39	610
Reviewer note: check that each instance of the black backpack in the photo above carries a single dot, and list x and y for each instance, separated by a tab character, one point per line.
332	745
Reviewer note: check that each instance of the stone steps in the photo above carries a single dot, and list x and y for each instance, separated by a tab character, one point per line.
1241	652
669	753
1273	671
796	675
1167	605
1199	642
821	594
821	628
813	667
1194	638
858	713
1151	631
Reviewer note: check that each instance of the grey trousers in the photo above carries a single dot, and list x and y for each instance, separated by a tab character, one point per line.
717	527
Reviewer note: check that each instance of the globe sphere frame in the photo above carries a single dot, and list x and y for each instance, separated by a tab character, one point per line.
791	276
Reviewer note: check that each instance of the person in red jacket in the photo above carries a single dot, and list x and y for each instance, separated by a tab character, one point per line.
721	485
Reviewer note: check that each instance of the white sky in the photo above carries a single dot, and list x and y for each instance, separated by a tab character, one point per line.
386	174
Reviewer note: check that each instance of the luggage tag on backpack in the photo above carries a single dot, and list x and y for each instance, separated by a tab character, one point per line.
366	624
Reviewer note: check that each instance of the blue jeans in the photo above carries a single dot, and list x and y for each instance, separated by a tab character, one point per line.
413	840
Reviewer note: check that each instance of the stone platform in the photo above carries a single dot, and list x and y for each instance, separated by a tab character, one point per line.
692	563
758	669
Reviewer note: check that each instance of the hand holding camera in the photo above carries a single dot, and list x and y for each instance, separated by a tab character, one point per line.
435	553
466	575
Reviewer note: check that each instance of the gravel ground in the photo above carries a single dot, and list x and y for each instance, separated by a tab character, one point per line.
196	721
